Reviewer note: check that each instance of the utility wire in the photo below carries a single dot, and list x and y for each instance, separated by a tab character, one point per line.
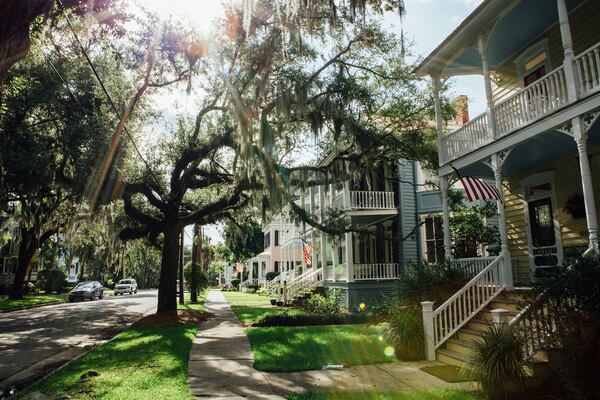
113	106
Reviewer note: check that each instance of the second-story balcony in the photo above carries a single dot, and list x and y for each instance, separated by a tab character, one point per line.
362	200
538	100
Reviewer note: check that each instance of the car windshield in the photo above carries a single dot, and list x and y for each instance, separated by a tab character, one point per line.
84	285
125	281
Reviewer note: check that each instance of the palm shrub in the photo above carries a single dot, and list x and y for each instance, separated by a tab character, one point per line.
497	361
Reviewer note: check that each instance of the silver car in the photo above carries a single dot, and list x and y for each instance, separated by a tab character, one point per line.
126	286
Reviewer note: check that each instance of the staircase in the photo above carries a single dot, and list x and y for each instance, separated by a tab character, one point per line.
457	349
296	287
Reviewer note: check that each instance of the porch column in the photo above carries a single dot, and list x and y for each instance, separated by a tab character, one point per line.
349	257
437	84
346	194
321	197
446	218
483	51
507	278
580	135
567	42
313	236
333	247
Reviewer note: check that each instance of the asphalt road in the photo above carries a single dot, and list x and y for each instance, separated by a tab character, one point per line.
38	336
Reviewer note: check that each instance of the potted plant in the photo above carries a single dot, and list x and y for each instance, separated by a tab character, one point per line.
575	206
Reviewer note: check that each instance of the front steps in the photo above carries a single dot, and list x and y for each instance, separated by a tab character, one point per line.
458	349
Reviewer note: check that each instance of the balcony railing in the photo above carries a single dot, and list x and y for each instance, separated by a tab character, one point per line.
378	271
534	102
369	200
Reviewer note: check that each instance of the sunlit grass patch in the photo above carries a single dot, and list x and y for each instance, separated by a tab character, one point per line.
138	364
246	299
7	304
199	306
312	347
393	395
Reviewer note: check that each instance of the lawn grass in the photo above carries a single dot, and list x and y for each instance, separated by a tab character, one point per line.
249	307
28	301
146	363
302	348
394	395
199	306
240	299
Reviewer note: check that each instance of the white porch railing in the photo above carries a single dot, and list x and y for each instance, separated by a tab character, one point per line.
455	312
371	200
587	66
302	284
473	265
249	282
538	324
378	271
537	100
468	137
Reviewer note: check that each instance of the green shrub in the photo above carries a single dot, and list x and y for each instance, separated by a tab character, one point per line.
235	283
249	289
262	291
497	362
574	289
51	280
29	288
430	282
405	331
271	275
287	318
201	276
331	303
110	284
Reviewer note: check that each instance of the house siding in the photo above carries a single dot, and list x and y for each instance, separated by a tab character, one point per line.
409	248
573	231
585	31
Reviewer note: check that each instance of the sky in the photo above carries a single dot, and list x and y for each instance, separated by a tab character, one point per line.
426	25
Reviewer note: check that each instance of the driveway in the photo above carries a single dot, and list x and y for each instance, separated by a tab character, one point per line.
35	341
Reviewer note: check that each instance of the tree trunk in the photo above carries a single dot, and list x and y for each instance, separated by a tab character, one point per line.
27	249
167	287
196	249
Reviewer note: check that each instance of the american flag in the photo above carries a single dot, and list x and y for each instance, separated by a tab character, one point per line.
307	249
476	189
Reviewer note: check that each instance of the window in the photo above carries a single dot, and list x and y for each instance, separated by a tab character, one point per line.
276	266
267	240
434	239
276	238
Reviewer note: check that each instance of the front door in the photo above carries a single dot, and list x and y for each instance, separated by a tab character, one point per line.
544	246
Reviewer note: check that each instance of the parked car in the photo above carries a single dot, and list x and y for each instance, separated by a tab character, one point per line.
91	290
125	286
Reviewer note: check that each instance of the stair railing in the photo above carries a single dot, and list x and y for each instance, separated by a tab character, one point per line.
454	313
302	283
539	323
276	283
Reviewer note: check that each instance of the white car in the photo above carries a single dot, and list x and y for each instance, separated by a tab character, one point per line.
126	286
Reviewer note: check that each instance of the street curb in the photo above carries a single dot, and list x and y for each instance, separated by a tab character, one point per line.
52	303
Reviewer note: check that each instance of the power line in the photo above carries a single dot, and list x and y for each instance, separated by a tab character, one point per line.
113	106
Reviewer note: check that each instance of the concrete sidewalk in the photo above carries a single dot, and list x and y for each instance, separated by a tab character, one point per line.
221	366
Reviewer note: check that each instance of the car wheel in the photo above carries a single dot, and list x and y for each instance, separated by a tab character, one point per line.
135	291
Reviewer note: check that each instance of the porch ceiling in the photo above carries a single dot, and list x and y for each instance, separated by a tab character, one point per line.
520	23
